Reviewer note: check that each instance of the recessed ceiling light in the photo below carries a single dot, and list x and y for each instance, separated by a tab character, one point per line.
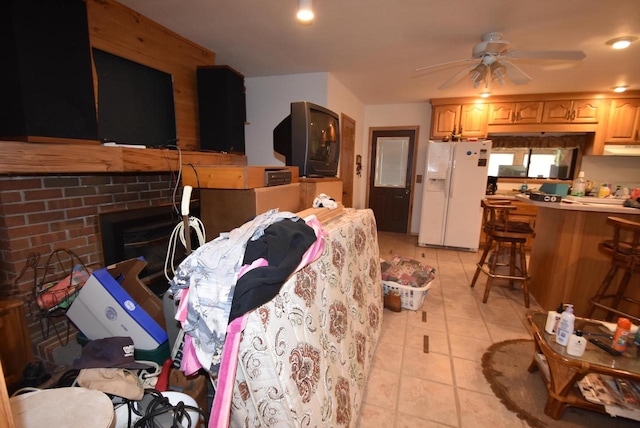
622	42
305	12
485	94
620	88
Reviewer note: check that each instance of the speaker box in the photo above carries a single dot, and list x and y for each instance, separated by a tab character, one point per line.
46	79
221	108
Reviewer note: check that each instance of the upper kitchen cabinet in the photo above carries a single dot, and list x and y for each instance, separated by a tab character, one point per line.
624	121
578	111
518	113
471	118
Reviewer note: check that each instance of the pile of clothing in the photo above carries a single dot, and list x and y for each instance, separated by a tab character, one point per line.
223	280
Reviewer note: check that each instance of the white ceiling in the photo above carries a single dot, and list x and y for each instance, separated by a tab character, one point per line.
374	46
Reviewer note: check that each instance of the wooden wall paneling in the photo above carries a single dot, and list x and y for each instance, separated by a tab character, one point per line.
57	158
121	31
62	158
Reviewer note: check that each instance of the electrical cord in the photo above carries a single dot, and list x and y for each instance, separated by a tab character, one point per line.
158	405
179	233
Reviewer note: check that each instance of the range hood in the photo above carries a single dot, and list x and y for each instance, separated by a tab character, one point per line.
621	150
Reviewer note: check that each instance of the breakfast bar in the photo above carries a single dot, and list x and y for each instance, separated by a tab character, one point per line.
565	264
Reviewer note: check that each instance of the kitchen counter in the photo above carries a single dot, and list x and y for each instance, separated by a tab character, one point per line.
579	206
565	264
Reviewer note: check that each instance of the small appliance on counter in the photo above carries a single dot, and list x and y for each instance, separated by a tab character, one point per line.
492	185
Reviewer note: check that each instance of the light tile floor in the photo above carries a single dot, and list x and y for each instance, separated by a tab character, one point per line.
444	387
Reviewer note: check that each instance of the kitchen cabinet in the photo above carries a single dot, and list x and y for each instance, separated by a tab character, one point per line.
472	118
524	112
624	121
16	351
566	111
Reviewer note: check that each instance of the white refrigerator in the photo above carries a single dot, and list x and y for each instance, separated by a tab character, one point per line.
455	182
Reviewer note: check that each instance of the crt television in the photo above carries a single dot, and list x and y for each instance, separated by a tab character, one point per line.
309	138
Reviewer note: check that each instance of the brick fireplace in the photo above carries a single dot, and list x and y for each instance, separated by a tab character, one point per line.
39	214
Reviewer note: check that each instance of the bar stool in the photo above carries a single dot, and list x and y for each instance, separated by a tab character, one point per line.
624	250
502	233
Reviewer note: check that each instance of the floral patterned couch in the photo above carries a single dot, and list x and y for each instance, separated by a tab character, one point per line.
305	356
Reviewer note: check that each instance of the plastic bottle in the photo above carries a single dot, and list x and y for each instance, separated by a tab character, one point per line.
579	185
524	187
577	344
553	318
604	191
565	328
622	332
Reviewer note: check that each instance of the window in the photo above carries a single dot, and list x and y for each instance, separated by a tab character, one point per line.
516	162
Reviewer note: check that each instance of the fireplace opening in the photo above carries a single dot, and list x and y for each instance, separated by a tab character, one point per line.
144	232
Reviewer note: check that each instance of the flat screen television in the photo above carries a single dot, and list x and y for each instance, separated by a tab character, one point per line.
135	102
309	138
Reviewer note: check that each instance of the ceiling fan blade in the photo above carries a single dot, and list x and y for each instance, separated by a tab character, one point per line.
552	55
459	61
515	73
453	80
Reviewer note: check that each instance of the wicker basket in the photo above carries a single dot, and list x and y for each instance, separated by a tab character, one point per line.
411	297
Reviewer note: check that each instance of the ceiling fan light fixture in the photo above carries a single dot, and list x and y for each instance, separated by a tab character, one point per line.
478	74
621	42
620	88
305	13
498	72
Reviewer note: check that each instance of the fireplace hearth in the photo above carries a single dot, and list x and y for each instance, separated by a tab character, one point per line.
143	232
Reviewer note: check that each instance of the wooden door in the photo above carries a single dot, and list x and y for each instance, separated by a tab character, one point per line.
557	111
444	119
624	121
473	120
392	164
529	112
585	111
502	113
347	157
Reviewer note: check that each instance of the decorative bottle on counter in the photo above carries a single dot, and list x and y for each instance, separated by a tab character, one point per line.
565	328
622	332
579	185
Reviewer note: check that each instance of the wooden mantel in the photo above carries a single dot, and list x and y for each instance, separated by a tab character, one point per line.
33	158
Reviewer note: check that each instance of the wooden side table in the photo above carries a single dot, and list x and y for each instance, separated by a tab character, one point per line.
565	370
16	350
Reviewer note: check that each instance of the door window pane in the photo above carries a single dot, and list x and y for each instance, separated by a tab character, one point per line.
391	161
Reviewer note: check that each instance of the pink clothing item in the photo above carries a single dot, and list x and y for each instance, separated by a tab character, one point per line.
315	250
220	409
181	311
256	263
190	363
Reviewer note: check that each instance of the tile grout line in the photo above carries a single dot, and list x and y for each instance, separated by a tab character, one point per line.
453	374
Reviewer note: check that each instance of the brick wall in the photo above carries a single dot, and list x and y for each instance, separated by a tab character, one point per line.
39	214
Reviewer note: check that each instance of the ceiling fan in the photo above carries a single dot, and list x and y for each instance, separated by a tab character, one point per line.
491	60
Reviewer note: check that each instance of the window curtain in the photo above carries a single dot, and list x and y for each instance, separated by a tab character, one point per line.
540	142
